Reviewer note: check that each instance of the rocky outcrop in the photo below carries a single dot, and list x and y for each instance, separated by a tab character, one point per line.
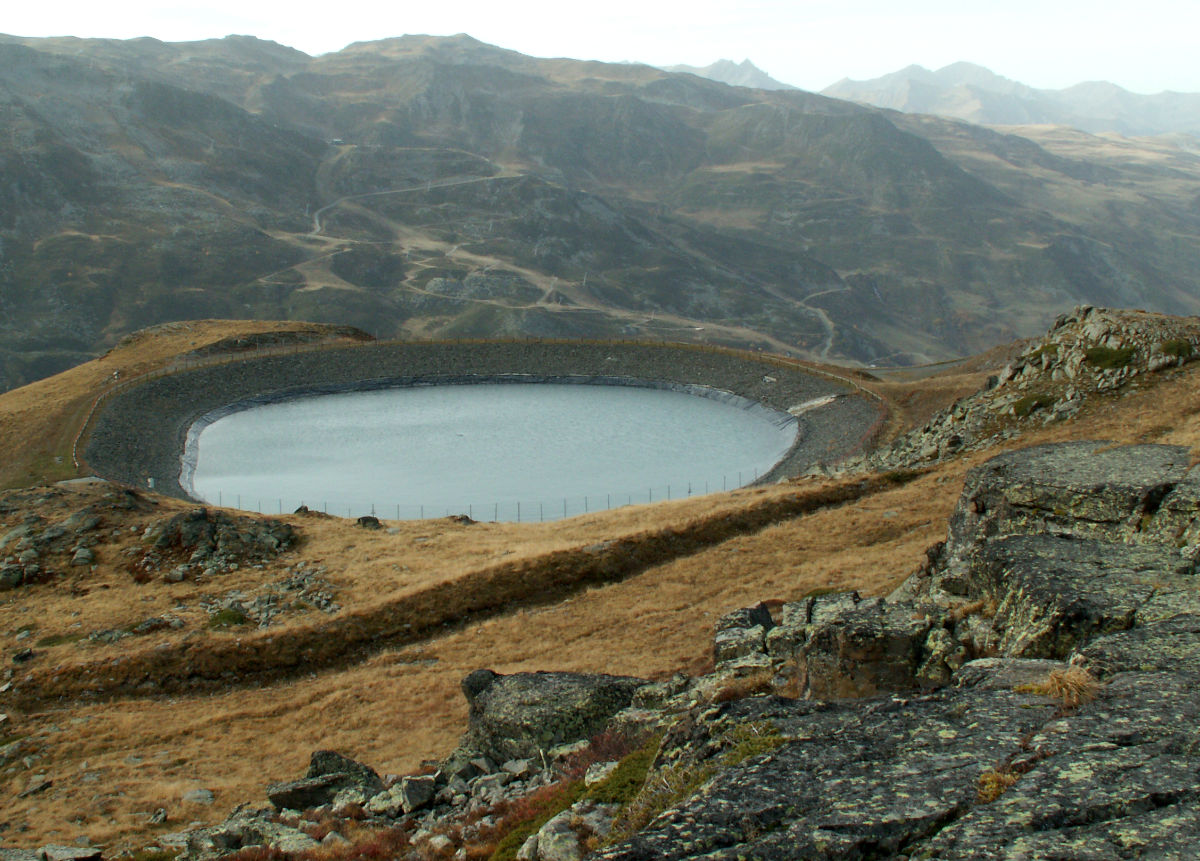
1090	352
209	541
1064	618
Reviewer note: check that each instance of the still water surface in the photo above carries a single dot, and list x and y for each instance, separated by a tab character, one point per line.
494	451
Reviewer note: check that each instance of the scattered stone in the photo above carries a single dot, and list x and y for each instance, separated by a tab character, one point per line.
199	796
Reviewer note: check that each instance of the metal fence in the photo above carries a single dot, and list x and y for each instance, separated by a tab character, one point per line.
512	511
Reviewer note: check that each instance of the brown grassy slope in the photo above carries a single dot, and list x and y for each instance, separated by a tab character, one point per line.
113	762
38	422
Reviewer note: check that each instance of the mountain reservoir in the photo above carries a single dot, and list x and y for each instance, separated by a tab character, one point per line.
492	451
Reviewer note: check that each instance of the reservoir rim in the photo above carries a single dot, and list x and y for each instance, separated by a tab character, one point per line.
139	431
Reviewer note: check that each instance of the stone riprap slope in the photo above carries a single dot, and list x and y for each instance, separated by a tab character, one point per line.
1088	352
1032	692
141	431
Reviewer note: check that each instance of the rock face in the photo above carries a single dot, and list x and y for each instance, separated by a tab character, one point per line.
1063	612
529	714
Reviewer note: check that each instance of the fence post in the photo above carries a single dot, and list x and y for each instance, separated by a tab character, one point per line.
518	511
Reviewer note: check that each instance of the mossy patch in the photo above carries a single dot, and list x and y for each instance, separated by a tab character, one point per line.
1179	348
1109	358
227	618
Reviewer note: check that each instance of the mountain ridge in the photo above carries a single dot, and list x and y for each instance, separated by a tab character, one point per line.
970	92
440	187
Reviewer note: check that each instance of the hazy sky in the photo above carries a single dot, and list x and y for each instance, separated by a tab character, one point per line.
1145	46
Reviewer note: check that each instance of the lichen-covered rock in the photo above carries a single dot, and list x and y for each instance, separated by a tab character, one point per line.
864	649
1078	738
527	714
203	534
570	835
1086	354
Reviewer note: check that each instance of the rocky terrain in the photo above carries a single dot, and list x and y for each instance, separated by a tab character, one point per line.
1087	353
1027	691
439	187
1030	692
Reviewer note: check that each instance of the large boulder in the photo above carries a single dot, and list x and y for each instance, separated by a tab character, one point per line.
527	714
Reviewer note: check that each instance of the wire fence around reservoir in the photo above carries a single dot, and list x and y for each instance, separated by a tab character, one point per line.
508	511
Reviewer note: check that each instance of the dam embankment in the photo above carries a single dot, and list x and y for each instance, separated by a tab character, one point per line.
140	433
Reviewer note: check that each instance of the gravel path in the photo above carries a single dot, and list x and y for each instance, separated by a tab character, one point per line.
140	433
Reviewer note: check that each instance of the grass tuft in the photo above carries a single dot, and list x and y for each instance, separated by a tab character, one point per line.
993	783
1071	687
756	683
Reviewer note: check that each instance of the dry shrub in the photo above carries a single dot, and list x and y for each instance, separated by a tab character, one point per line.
993	783
1071	687
985	607
607	746
758	682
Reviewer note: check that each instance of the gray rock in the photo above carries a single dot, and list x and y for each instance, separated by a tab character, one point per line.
241	831
11	576
69	853
565	836
329	774
83	556
416	792
862	649
199	796
1007	761
527	714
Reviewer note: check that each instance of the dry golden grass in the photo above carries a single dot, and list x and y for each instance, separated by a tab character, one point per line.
115	762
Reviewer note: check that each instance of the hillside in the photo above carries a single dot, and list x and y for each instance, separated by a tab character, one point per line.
130	691
427	187
968	92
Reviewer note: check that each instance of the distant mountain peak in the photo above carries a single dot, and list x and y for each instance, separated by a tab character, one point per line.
968	91
743	74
